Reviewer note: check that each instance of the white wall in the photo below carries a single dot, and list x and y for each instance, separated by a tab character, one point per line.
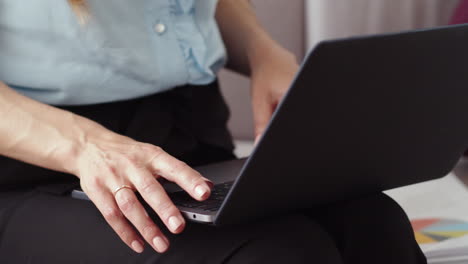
342	18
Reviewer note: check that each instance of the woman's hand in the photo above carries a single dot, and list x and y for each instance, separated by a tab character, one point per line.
106	163
272	75
253	52
51	138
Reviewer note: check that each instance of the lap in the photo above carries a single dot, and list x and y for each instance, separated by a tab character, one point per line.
47	228
371	229
55	229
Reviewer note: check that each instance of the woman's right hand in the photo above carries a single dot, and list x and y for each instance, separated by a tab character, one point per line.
106	163
51	138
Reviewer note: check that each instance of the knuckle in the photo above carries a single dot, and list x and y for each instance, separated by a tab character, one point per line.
154	150
149	231
166	209
111	214
92	183
131	160
125	234
176	167
182	166
195	178
185	172
148	186
126	203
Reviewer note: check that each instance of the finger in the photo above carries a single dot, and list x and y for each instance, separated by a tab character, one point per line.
179	172
106	204
262	115
257	139
137	215
155	195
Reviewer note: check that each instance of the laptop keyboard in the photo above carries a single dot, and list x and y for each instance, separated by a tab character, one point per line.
212	204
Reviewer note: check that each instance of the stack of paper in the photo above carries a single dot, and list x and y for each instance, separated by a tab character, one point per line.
443	240
452	251
439	213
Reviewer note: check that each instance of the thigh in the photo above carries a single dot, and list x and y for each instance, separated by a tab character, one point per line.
45	228
288	239
373	229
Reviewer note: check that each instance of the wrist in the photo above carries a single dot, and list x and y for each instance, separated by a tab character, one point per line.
82	132
262	50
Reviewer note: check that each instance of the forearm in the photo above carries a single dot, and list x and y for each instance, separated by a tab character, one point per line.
40	134
246	41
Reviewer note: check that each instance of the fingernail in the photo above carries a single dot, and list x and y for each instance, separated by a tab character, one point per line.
210	183
174	223
201	191
137	246
160	244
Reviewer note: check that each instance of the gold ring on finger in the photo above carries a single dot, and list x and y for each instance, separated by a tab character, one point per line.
121	188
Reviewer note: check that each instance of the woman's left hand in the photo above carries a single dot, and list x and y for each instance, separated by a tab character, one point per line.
271	77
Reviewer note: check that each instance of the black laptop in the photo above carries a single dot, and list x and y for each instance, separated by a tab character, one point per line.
363	115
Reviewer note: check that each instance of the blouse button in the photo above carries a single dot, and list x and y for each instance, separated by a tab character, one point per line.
160	28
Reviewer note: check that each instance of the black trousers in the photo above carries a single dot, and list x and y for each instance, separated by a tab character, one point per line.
40	223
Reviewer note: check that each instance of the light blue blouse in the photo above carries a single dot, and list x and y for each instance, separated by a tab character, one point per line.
127	49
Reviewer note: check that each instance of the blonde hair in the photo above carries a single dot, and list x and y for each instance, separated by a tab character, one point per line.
80	8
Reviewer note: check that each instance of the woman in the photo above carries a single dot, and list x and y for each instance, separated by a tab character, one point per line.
117	96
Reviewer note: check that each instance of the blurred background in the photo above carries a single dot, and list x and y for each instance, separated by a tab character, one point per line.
300	24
